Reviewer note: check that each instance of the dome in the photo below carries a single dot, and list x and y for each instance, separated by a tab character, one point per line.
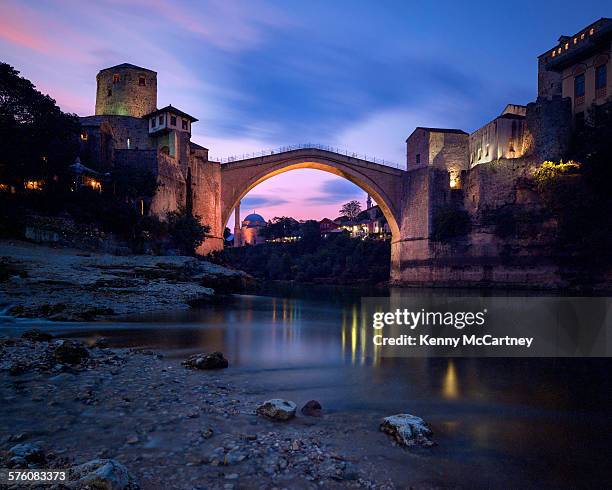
254	219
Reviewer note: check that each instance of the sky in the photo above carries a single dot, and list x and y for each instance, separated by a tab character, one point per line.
357	75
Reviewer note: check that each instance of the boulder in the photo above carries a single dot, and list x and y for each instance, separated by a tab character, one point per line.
31	453
206	361
312	409
408	430
102	474
37	335
70	352
277	409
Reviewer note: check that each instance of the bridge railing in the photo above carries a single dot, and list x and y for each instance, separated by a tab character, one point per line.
307	146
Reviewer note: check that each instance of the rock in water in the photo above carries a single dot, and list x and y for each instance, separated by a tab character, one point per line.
70	352
37	335
206	361
407	430
312	409
277	409
103	474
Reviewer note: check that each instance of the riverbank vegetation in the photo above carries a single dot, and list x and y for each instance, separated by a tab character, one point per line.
337	259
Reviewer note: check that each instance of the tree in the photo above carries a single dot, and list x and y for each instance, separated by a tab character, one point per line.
131	183
41	140
280	228
351	209
186	230
310	235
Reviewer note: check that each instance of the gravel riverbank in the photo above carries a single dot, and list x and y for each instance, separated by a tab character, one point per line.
70	285
170	426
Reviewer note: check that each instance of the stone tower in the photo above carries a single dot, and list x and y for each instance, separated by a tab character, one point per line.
126	90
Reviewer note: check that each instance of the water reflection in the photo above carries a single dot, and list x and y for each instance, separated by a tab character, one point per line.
533	411
450	384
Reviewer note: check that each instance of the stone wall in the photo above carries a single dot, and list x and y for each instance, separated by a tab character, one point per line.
549	126
120	93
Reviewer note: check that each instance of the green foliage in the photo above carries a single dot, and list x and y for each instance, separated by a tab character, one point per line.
549	173
337	259
186	231
450	222
351	209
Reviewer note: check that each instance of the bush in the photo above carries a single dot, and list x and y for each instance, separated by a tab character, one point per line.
450	222
186	231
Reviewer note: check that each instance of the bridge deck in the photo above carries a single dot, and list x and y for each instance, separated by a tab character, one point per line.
305	153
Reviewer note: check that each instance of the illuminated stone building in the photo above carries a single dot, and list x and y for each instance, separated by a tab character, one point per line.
129	131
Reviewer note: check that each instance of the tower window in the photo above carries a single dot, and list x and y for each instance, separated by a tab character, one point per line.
185	124
109	92
601	76
418	158
579	85
172	120
116	78
161	119
141	81
152	122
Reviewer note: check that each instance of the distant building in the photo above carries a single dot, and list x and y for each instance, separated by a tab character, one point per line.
249	231
579	67
327	226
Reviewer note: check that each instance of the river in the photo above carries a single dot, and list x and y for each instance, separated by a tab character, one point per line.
497	422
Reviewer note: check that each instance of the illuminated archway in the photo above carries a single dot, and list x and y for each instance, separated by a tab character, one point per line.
240	178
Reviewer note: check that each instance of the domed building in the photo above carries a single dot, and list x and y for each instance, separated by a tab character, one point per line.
249	230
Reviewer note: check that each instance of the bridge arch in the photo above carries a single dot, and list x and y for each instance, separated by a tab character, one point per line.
381	182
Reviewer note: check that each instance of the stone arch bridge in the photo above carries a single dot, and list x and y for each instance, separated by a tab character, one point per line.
406	198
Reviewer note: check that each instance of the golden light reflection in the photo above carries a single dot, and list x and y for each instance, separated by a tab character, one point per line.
450	384
354	334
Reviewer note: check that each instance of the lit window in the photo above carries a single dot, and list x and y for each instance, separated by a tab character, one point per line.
141	81
185	124
96	185
34	185
84	136
579	85
116	78
129	143
591	31
575	40
566	45
559	51
554	54
601	76
161	119
582	36
172	120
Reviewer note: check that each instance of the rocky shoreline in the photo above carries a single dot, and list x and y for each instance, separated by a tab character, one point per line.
133	417
65	284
